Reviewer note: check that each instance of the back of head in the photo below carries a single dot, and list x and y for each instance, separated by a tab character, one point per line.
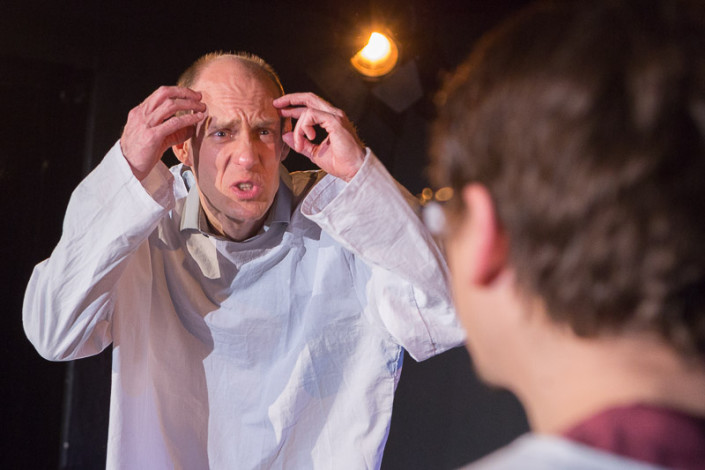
586	122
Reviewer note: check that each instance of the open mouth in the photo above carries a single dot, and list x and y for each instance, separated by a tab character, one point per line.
246	189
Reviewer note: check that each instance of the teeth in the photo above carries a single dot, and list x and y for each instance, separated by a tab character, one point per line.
244	186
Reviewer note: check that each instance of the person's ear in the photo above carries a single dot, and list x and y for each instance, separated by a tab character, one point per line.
286	127
489	243
182	153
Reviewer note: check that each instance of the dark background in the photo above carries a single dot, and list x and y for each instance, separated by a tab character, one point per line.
71	70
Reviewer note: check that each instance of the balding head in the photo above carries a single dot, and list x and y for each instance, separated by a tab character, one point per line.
255	64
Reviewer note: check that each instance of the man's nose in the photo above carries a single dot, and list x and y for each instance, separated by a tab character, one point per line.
245	151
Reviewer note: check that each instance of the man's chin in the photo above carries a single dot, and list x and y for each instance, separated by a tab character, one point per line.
247	213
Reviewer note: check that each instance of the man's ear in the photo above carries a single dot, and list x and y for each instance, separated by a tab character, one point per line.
286	127
182	153
489	245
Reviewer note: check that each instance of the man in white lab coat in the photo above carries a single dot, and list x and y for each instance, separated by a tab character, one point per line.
257	318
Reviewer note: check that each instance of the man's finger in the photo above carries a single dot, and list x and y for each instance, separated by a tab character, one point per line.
300	145
308	100
176	92
305	126
292	112
177	123
169	93
171	107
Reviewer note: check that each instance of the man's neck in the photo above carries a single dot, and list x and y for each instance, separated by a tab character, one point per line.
586	376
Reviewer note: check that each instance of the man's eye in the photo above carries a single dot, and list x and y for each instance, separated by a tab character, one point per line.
264	132
220	134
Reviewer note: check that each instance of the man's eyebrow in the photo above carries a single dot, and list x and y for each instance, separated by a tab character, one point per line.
214	122
266	122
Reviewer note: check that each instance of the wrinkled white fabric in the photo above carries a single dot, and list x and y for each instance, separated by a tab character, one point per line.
544	452
282	351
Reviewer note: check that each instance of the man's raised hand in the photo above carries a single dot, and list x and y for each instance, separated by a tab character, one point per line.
341	153
167	117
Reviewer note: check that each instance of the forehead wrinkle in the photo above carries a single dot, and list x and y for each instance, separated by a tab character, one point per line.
235	109
236	121
234	94
237	87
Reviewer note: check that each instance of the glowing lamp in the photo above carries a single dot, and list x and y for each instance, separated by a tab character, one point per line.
377	58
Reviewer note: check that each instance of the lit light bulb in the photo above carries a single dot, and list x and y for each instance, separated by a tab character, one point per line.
377	48
377	58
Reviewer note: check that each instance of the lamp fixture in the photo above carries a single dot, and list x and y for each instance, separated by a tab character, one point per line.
378	57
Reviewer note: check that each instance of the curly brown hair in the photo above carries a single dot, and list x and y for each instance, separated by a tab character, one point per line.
586	122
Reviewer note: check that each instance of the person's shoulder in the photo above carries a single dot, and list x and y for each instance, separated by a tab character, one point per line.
539	452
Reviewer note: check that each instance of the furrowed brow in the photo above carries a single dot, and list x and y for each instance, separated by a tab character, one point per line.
214	123
267	123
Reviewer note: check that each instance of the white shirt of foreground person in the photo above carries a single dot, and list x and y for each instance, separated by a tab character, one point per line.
282	351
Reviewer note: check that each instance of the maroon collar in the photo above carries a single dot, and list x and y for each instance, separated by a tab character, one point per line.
652	434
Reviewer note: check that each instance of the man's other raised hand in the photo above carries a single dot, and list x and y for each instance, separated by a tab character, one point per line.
341	153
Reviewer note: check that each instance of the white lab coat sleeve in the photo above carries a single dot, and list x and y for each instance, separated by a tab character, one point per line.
406	280
70	298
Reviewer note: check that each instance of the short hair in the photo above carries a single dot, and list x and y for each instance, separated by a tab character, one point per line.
586	122
252	61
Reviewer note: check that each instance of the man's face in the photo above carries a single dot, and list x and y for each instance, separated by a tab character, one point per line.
237	148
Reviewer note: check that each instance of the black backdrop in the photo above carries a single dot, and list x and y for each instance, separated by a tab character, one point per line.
69	73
